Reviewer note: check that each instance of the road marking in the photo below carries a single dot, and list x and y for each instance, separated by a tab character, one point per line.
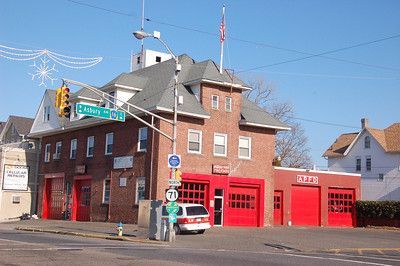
16	241
369	257
335	259
38	249
380	251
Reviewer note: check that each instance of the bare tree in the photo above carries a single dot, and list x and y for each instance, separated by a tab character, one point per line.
291	146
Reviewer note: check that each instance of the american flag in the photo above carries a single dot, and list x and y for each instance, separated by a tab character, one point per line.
222	28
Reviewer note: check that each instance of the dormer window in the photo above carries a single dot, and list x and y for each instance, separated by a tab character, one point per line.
367	142
214	102
112	103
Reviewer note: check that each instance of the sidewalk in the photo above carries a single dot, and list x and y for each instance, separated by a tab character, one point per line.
131	232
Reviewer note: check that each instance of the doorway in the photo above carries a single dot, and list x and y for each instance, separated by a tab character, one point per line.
218	207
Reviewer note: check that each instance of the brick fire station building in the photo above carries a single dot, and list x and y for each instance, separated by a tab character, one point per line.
97	170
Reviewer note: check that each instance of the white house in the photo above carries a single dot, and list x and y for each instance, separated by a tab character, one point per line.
375	153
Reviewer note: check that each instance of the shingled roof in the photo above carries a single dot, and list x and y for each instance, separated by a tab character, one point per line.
338	148
154	86
388	138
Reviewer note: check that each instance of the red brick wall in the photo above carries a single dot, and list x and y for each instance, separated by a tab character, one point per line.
262	153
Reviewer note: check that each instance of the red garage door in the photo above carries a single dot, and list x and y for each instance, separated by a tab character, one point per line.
305	205
243	206
340	207
194	193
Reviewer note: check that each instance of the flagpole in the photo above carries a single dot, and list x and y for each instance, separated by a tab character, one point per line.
222	39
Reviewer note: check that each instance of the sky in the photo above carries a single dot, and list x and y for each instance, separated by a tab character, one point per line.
335	61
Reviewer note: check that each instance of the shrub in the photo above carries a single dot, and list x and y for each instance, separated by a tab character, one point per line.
378	209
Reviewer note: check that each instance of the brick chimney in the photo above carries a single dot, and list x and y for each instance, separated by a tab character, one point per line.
364	123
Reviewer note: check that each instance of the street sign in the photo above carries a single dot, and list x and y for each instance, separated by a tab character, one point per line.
171	194
174	183
101	112
172	217
172	207
174	161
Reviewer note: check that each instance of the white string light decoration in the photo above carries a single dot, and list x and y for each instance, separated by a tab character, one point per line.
42	71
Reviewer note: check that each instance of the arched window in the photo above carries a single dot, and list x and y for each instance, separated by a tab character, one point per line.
367	142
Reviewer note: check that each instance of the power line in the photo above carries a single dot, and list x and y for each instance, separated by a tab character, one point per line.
309	55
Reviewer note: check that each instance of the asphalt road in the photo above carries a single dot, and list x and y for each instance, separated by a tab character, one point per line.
26	248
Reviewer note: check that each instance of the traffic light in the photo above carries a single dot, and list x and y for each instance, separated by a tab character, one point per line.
65	107
58	98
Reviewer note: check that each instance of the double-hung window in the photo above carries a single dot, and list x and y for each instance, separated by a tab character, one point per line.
142	139
367	142
220	144
194	141
106	190
74	145
109	143
244	148
368	163
228	104
214	102
90	146
46	113
358	163
47	150
57	155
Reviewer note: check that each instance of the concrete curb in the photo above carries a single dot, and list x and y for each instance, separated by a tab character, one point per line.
100	236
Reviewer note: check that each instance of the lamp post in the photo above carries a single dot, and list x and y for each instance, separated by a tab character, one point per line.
156	35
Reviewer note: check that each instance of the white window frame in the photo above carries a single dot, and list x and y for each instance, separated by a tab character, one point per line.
358	158
368	157
112	102
104	201
46	113
73	147
367	139
140	179
47	153
140	133
200	141
225	136
88	146
57	154
107	143
215	107
249	147
228	100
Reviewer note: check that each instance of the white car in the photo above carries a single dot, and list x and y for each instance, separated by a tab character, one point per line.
190	217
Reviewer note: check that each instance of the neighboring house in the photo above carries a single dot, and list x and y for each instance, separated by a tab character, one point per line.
98	170
18	168
375	154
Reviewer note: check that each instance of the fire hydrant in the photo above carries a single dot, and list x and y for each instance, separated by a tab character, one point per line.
119	228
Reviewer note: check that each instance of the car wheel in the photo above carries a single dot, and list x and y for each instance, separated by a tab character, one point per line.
201	231
177	229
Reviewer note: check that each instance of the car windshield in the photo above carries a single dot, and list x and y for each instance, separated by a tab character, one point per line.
165	213
196	210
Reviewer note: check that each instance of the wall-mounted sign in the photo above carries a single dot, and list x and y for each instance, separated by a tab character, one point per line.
80	169
220	169
15	177
306	179
123	162
122	181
